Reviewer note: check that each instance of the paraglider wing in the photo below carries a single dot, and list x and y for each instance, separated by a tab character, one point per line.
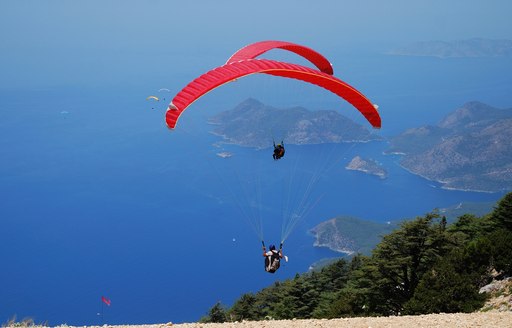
152	97
234	70
105	300
338	87
253	50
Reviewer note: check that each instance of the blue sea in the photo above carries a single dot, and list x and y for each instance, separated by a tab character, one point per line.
99	198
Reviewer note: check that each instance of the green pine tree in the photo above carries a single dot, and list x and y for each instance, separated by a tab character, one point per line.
502	214
403	257
447	287
216	314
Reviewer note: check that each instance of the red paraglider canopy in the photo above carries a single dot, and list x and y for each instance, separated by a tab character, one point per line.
253	50
234	70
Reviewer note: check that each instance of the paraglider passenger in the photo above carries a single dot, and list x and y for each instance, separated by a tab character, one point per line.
272	258
278	151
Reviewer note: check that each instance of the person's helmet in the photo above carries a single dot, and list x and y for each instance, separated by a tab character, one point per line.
272	247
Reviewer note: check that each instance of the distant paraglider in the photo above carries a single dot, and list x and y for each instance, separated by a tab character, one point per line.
164	90
155	98
106	301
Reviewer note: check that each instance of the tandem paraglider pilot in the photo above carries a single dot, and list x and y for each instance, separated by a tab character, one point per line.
272	258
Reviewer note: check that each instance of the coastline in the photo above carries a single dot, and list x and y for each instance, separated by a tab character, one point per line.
442	184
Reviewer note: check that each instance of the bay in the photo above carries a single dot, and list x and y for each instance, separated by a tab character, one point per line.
100	198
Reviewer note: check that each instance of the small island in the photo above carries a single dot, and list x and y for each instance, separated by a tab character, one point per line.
367	166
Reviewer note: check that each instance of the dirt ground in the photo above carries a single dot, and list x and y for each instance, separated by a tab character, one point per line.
459	320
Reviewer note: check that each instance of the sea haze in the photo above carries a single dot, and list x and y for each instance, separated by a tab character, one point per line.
100	198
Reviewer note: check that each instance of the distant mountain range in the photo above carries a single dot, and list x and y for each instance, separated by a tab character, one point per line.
476	47
253	124
470	149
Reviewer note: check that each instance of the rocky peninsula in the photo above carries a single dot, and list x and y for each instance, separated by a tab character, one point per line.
350	235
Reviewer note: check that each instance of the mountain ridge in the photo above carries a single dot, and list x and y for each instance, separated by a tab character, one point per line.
469	149
475	47
251	123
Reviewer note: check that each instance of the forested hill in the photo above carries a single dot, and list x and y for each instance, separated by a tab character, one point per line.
424	266
350	235
252	124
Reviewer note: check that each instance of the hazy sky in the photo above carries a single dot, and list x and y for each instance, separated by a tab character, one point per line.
104	42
